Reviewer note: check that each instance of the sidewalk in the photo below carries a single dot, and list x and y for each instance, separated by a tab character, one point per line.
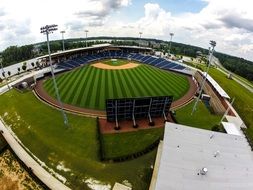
50	181
4	88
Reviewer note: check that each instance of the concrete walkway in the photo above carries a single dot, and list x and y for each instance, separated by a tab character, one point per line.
50	181
26	75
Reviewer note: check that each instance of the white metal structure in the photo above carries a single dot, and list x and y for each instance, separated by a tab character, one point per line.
171	35
231	129
216	86
47	30
86	32
63	46
140	33
211	51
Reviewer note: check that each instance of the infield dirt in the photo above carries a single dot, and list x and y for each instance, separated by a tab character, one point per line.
129	65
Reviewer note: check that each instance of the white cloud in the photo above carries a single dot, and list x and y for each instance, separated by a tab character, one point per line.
229	22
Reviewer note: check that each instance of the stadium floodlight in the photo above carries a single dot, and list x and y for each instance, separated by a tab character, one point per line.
4	74
171	35
140	38
47	30
63	47
86	32
211	50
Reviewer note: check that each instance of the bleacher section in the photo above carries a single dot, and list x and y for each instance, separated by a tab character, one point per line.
158	62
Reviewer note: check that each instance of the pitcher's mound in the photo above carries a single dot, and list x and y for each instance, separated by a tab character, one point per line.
110	67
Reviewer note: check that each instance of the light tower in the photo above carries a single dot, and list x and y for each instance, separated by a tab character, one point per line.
63	47
211	50
171	35
140	33
86	32
47	30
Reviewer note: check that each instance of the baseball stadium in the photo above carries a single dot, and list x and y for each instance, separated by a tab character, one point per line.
109	117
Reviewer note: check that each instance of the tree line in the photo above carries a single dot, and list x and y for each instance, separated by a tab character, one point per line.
15	54
234	64
237	65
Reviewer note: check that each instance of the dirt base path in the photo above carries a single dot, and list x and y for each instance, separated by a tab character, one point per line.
111	67
45	97
187	97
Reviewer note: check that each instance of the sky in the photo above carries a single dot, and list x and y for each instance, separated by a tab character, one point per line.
195	22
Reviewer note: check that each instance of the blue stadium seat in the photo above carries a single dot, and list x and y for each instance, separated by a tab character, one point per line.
170	66
150	60
179	67
157	61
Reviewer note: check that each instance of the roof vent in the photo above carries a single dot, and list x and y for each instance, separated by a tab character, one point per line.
217	153
203	171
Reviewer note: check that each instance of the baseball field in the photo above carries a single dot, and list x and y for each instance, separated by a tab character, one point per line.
89	86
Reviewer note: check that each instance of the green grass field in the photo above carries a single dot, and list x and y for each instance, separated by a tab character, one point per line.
201	118
89	87
243	98
41	130
119	144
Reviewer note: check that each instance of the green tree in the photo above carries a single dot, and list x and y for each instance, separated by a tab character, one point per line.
24	67
14	54
37	64
18	70
9	73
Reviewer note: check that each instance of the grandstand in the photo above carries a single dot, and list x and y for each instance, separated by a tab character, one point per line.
79	57
158	62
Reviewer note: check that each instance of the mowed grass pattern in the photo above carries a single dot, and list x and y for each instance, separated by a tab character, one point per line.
89	87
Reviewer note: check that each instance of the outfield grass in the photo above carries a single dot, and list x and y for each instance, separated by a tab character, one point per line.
89	87
41	130
116	145
201	118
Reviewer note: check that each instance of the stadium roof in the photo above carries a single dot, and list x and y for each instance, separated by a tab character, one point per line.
74	50
227	159
90	48
134	47
216	86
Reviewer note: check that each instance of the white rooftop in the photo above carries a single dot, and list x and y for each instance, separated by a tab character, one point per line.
216	86
186	150
76	49
231	129
235	120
